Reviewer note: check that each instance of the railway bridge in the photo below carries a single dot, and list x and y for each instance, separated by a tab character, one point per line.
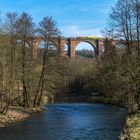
100	45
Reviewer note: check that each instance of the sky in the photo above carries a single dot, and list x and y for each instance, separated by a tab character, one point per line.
73	17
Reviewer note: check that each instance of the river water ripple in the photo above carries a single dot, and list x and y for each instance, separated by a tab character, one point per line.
69	122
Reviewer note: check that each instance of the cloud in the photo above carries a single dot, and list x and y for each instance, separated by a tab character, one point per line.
75	30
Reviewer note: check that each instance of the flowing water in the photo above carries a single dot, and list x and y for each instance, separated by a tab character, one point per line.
79	121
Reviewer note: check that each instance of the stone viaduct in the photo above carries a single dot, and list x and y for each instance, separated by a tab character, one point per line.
99	45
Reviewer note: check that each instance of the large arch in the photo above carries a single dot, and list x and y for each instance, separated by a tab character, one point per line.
28	46
92	44
53	47
51	42
57	41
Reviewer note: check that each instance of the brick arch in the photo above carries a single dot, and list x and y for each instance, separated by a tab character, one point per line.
28	43
75	41
52	42
37	41
93	45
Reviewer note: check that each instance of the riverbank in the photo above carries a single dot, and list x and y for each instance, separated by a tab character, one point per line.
132	128
15	114
81	121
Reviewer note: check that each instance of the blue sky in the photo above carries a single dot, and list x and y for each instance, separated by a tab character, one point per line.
74	17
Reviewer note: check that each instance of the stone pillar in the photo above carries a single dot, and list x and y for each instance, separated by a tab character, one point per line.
109	46
72	43
96	48
35	46
100	50
61	43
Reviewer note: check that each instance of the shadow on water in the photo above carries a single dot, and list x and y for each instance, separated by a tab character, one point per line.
67	121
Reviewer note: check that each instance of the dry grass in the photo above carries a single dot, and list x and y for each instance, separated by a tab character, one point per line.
15	114
132	129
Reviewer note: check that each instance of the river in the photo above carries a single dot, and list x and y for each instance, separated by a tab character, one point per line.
78	121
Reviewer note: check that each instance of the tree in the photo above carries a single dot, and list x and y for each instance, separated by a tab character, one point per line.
11	31
124	22
24	30
4	72
47	30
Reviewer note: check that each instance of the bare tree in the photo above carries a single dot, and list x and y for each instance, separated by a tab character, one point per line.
24	29
124	22
136	13
47	30
4	73
11	31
